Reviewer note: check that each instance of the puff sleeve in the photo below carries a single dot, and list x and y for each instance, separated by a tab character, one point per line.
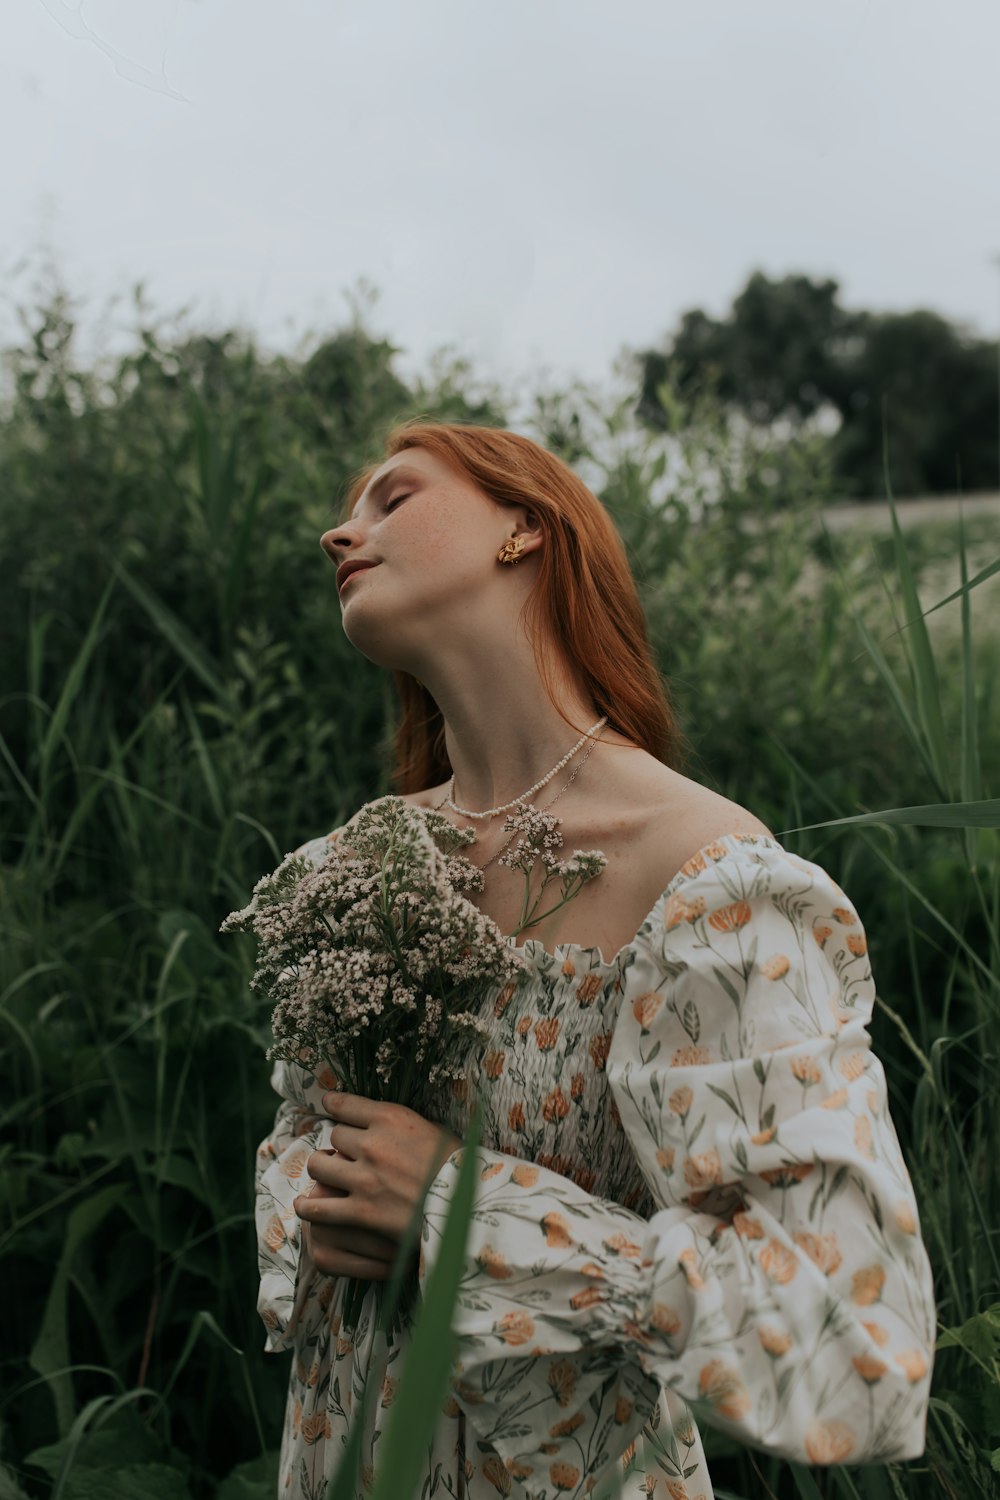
781	1289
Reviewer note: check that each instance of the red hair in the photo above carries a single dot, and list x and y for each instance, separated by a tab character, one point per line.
584	599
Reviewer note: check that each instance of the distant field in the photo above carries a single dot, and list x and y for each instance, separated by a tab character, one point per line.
875	514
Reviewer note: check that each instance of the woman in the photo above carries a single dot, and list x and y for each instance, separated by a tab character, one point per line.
691	1193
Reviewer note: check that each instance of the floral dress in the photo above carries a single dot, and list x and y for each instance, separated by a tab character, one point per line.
691	1206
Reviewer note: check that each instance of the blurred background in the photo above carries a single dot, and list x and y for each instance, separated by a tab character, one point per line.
740	267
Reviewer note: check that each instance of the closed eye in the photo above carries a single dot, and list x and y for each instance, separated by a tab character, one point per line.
396	499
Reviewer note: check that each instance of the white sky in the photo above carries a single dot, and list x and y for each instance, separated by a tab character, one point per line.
535	183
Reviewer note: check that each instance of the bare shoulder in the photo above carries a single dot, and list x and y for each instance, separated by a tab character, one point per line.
699	813
663	818
428	798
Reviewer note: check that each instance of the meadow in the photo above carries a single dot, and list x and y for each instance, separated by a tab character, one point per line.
178	708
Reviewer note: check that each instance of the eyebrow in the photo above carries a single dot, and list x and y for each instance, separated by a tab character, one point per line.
378	485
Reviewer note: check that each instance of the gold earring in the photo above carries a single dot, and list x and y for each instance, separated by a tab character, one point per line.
511	551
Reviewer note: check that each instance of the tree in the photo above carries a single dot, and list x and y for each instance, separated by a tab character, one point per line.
789	350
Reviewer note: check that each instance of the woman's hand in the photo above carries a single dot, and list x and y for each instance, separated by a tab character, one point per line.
366	1190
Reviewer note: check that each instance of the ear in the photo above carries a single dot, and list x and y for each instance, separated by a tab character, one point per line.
528	526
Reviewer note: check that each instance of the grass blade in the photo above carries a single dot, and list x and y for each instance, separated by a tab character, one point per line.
433	1342
982	814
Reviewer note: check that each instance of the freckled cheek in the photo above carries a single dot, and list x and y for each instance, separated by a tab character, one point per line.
436	543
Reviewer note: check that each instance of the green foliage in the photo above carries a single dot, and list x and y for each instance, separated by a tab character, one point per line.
788	349
178	707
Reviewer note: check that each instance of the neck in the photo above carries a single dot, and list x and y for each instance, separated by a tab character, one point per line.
502	731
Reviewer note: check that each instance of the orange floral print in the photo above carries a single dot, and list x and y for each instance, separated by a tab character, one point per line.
599	1047
704	1170
688	1261
844	915
678	910
680	1101
856	943
822	1250
665	1320
747	1227
913	1364
829	1442
568	970
646	1008
577	1086
555	1106
623	1410
524	1175
729	918
690	1057
515	1116
620	1244
564	1476
493	1064
567	1426
788	1174
774	1341
588	989
316	1425
869	1368
721	1384
863	1136
274	1233
821	933
665	1156
877	1333
778	1262
852	1065
523	1026
495	1471
516	1328
587	1298
562	1379
546	1033
493	1263
866	1285
504	998
805	1070
836	1100
556	1230
776	967
904	1218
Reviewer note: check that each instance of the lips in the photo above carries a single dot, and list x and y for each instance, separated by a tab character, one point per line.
348	569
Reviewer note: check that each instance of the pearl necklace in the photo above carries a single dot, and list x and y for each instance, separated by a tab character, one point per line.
586	755
493	812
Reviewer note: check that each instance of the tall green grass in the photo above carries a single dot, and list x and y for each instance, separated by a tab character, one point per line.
178	708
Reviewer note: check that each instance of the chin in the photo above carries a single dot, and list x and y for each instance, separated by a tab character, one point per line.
373	640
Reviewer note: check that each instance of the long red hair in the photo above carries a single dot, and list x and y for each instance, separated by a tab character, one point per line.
584	598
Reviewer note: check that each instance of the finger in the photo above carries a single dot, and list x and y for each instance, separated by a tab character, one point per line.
346	1139
350	1109
343	1263
326	1210
367	1242
326	1167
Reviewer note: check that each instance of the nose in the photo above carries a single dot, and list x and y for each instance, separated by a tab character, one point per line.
337	540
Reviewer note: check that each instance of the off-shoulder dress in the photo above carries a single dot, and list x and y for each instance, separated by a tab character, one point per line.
691	1206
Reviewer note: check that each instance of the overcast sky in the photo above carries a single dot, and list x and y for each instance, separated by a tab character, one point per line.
533	182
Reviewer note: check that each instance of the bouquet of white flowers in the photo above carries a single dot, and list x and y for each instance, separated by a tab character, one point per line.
377	963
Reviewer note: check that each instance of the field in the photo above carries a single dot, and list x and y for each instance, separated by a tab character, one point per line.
179	708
